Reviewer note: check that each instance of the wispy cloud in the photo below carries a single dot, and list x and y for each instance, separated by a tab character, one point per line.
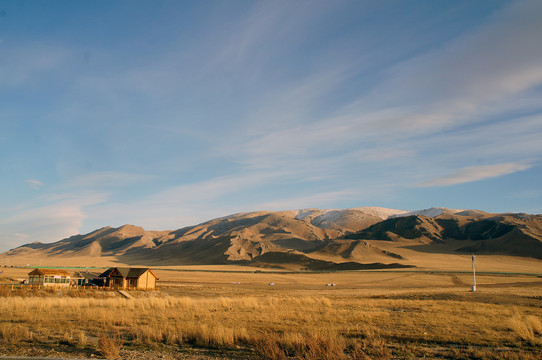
498	60
511	140
47	219
62	211
265	32
23	64
308	201
187	204
423	112
34	184
476	173
108	179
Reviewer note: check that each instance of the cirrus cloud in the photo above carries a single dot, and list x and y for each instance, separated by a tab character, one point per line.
476	173
34	184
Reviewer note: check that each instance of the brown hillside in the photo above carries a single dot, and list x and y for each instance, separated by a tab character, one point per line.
360	235
507	234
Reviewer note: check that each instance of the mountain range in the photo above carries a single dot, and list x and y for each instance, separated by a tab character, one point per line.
310	239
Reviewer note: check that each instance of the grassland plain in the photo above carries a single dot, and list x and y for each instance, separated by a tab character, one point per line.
237	315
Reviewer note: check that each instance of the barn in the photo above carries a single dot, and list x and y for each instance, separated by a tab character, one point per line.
129	278
49	277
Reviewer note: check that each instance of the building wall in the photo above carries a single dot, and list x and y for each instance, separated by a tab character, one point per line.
48	280
146	281
117	282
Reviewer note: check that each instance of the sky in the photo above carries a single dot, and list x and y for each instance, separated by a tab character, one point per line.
165	114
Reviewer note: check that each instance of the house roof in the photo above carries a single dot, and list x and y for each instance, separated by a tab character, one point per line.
85	275
128	272
44	272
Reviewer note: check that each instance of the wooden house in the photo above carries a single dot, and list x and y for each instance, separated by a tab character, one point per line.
49	277
129	278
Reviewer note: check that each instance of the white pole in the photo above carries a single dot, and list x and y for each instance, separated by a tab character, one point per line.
474	272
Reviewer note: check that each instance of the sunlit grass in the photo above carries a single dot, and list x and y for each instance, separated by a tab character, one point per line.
340	324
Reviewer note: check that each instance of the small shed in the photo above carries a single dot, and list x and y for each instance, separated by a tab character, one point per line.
49	277
129	278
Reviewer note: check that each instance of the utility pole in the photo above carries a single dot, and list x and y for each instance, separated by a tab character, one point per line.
474	272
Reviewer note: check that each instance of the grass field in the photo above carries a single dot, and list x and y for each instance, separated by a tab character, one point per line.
233	313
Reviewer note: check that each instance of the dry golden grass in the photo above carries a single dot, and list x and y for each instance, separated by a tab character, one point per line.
304	324
109	345
527	328
368	315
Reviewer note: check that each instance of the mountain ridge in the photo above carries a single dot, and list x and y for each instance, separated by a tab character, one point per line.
308	239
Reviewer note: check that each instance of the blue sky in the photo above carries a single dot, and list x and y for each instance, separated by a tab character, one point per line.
165	114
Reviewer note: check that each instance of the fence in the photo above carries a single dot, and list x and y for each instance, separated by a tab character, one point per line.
19	286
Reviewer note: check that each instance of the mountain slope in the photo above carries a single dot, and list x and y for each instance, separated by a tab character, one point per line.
308	239
506	234
101	242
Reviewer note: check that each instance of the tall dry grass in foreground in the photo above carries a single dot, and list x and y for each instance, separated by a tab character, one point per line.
346	325
109	345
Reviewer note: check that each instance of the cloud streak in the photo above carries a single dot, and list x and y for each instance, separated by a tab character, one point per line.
435	108
22	65
34	184
49	218
476	173
498	60
108	179
187	204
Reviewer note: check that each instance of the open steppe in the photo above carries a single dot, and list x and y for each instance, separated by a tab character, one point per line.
231	312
